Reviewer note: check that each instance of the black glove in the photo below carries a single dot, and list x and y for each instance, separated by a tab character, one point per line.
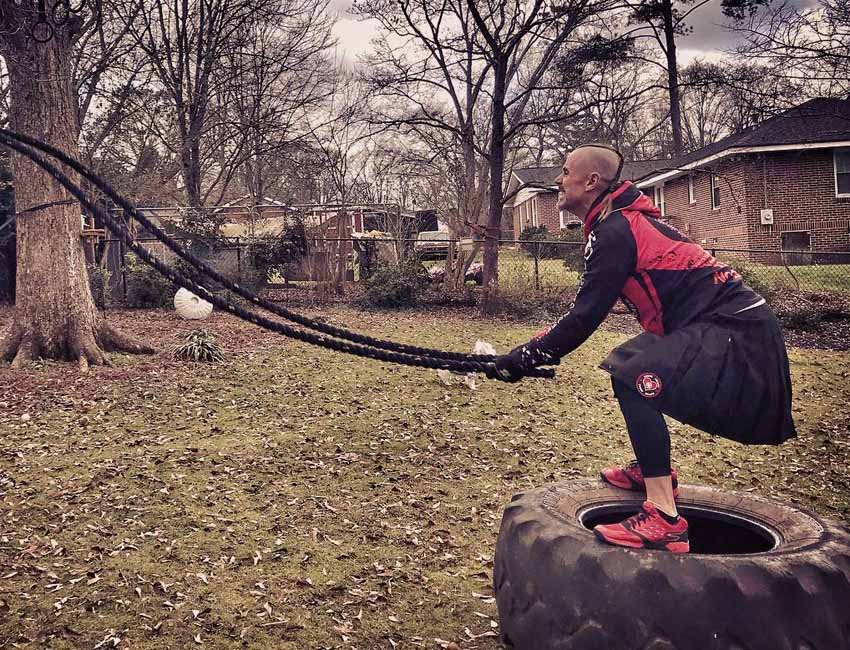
509	366
519	363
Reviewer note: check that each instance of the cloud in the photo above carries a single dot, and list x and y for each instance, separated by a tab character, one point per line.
709	32
710	39
355	36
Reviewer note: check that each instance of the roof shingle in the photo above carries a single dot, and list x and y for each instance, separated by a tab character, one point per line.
817	120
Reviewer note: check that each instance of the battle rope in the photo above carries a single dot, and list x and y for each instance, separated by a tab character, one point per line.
204	268
182	280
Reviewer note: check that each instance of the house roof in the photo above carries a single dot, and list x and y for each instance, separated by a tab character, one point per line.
539	175
818	121
634	170
246	200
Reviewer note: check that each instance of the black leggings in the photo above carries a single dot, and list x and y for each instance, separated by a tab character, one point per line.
647	431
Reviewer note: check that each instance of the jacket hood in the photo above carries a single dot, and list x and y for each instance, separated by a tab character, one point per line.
624	197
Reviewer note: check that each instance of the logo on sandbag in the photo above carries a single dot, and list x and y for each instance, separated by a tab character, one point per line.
648	384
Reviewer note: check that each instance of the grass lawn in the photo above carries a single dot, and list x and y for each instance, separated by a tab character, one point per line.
293	497
822	277
516	272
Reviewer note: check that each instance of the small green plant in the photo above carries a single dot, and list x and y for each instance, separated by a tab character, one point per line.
99	285
199	345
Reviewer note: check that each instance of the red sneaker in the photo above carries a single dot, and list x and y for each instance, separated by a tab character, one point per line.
647	529
631	478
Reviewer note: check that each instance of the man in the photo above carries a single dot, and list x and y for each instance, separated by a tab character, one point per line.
712	353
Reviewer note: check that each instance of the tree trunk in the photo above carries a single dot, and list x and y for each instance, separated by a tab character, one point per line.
55	316
673	78
497	166
191	154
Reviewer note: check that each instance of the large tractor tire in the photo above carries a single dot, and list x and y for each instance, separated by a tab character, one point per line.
761	575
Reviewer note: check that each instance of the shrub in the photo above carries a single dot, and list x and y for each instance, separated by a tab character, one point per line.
279	254
146	288
392	287
564	245
99	285
199	345
538	234
573	255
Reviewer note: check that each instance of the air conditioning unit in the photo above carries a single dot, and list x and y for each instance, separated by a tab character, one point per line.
767	217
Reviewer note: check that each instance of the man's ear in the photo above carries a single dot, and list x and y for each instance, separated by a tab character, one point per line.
592	181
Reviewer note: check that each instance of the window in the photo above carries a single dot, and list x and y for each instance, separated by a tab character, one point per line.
534	212
841	161
691	195
568	219
715	192
659	198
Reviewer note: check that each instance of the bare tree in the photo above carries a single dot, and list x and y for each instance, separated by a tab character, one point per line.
280	74
704	103
340	135
522	41
196	49
136	155
428	76
806	45
664	21
106	73
455	65
55	315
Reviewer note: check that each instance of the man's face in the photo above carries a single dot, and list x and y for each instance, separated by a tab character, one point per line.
571	185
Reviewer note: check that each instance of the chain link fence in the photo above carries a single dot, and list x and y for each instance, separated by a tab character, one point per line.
525	267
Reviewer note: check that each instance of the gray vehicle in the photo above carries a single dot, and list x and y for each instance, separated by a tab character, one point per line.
432	245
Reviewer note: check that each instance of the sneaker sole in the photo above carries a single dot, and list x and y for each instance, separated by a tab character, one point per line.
672	547
632	487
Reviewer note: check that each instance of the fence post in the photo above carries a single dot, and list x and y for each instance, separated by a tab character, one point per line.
239	259
536	266
121	252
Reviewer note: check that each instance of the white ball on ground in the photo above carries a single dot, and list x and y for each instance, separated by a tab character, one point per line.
190	306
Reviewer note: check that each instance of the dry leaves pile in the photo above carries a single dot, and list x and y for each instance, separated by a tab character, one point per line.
297	498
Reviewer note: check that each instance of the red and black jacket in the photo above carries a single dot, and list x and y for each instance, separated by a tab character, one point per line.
663	277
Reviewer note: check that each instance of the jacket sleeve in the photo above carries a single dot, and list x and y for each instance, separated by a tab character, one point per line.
610	256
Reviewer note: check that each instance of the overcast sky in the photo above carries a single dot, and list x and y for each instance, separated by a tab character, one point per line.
708	40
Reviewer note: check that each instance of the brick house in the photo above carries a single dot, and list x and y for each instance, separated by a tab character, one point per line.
783	184
535	196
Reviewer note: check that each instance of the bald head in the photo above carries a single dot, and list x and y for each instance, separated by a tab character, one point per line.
588	172
595	160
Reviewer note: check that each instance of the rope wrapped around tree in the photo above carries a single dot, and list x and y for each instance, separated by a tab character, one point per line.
354	343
